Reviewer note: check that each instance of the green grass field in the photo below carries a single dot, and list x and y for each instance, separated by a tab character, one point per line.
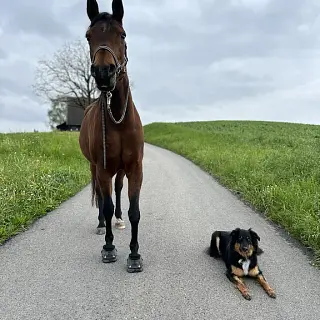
38	171
273	166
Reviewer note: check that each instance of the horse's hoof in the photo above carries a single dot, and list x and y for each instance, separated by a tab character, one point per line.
119	224
101	230
134	265
109	256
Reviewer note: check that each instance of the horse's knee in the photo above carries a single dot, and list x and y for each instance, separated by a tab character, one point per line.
134	210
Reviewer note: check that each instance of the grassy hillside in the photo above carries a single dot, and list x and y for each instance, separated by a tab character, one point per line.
274	166
37	172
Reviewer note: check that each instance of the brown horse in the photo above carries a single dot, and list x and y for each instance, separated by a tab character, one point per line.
111	135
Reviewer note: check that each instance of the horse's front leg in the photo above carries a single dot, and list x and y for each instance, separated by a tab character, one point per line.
118	185
109	251
135	176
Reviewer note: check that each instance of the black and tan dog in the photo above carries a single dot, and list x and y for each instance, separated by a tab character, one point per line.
239	250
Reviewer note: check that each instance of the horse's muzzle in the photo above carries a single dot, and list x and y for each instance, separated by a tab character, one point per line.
105	76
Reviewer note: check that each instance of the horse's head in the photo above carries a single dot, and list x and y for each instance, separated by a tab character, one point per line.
106	38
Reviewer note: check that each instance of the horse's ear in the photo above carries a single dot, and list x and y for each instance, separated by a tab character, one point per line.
117	10
92	9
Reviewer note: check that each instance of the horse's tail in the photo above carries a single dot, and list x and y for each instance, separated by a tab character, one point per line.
94	196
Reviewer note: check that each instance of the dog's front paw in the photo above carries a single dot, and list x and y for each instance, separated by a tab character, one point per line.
246	295
271	293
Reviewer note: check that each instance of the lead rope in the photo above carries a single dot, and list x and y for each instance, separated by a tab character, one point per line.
108	97
103	132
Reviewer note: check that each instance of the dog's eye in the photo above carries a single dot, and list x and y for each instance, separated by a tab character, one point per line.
248	238
240	238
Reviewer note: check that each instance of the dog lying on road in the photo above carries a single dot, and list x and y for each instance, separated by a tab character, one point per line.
239	250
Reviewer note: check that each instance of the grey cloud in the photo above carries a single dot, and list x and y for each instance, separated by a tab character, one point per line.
187	59
13	86
17	78
22	109
3	54
201	89
230	32
35	18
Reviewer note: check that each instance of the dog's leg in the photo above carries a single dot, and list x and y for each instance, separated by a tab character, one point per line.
259	251
239	285
257	274
265	285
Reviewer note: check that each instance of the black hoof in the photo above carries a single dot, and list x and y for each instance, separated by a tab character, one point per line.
101	230
134	265
109	256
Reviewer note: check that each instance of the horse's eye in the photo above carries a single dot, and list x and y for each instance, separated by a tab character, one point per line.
123	35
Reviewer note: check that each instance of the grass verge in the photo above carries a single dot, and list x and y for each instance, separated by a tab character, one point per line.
273	166
38	171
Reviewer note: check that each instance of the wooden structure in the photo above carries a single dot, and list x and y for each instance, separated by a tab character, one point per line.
74	119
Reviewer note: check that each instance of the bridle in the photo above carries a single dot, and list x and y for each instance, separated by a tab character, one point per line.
119	67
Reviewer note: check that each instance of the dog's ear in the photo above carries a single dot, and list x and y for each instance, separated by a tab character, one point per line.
254	235
255	238
234	233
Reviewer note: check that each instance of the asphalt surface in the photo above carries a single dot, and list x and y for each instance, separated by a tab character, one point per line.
54	270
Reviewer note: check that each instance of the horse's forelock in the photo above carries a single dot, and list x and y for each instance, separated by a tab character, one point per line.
101	16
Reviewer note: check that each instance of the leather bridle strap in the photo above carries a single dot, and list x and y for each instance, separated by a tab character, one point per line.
119	67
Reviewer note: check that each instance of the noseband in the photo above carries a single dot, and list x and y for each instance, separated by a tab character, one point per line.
119	67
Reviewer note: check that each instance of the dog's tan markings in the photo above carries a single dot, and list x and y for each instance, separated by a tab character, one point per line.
251	249
237	271
254	272
237	247
242	287
244	254
265	285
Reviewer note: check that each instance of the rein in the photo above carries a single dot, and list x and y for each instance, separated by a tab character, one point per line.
105	97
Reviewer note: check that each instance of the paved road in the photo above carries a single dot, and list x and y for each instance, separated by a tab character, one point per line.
54	270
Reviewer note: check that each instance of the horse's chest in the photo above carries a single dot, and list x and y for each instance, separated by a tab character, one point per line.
111	145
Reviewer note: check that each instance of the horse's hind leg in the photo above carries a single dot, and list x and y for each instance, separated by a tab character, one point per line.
118	185
134	174
101	226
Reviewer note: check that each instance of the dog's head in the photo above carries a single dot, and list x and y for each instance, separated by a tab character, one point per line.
245	242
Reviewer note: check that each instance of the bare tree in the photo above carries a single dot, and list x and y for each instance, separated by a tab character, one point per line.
67	75
66	80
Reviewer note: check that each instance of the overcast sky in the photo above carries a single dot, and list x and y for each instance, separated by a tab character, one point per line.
189	60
